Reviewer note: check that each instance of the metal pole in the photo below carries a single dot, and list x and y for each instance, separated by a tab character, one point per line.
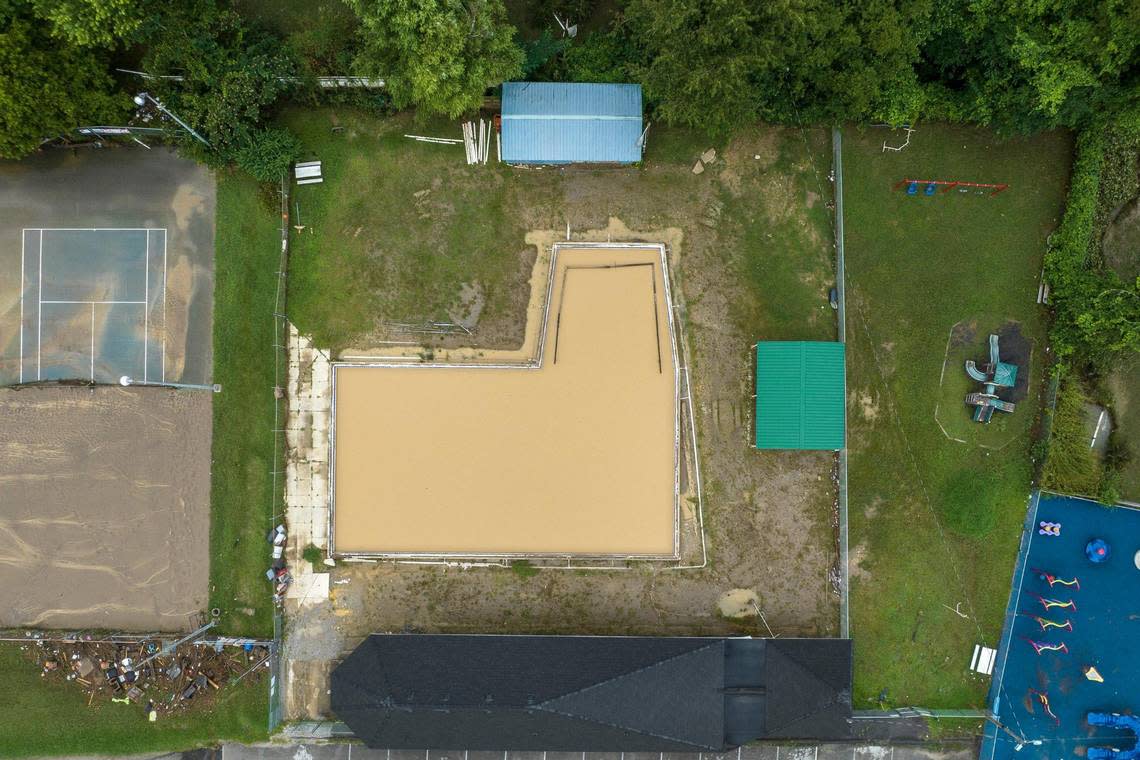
126	380
144	96
171	647
841	291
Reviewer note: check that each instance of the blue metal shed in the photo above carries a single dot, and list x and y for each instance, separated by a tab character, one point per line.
560	123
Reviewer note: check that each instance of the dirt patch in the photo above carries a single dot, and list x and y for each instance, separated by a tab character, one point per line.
1121	241
867	404
106	507
738	603
964	333
855	562
1017	350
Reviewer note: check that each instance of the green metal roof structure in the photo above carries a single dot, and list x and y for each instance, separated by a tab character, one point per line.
800	395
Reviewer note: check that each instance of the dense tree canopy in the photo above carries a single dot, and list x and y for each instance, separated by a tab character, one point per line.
1018	65
47	85
1024	65
93	23
231	76
437	55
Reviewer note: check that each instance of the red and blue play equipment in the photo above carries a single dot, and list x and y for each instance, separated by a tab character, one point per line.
1097	550
931	186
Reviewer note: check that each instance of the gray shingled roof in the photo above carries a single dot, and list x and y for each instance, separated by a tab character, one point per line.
589	693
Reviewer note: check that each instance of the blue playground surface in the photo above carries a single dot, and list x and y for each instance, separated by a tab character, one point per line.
1105	633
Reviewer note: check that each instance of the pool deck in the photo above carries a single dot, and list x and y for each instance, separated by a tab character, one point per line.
1105	633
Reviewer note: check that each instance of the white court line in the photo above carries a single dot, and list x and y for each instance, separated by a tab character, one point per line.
87	229
92	341
23	241
146	299
98	302
40	312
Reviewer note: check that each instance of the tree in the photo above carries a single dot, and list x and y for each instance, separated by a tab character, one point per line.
1024	66
437	55
720	63
232	76
47	87
93	23
701	59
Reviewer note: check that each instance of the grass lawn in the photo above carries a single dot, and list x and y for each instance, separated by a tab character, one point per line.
247	247
935	523
374	249
53	718
389	250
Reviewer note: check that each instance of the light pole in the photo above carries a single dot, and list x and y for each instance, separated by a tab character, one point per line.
143	97
127	380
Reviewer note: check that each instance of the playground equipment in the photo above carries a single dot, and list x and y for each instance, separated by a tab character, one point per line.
930	186
1097	550
1051	579
1045	646
996	374
1046	623
897	148
1043	698
1049	604
1092	674
1049	529
1115	720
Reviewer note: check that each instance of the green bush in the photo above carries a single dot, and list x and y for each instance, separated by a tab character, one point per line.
1071	466
600	57
265	154
1096	315
315	557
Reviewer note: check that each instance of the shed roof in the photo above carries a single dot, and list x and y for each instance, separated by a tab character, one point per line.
584	693
800	395
562	123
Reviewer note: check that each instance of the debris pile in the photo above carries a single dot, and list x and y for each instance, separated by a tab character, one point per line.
278	572
147	672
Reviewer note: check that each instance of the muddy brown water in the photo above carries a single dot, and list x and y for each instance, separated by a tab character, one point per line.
576	456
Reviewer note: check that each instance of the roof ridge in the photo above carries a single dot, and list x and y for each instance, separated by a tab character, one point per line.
627	673
817	708
546	706
620	726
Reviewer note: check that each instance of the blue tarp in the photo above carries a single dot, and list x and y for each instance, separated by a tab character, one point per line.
560	123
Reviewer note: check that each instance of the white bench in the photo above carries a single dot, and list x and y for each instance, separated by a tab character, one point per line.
983	660
308	173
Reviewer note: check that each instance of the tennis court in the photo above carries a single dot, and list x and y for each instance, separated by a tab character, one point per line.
93	304
1068	614
106	268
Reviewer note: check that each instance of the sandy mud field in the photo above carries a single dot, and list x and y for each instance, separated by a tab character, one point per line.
104	507
573	453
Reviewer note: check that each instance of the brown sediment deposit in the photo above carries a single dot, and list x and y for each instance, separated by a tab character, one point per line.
572	452
104	507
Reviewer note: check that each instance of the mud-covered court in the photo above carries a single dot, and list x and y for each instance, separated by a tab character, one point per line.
572	453
106	267
104	507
